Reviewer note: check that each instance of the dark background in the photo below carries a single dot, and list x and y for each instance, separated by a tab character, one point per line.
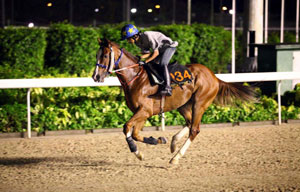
22	12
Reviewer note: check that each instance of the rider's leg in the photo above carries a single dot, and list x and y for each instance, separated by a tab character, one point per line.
167	89
166	57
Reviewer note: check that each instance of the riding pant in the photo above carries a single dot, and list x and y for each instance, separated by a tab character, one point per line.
164	61
166	56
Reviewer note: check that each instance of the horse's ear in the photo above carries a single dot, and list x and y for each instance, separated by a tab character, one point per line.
99	41
107	42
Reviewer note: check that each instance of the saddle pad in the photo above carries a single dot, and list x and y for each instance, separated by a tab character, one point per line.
179	73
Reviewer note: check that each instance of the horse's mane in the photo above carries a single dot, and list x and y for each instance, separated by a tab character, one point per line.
127	53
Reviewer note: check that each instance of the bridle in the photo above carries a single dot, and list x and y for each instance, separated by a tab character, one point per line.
115	65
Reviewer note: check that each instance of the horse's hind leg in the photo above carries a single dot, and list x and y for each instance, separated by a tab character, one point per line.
177	137
202	100
186	112
192	135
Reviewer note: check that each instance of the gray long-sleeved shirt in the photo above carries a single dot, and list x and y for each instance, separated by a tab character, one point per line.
154	40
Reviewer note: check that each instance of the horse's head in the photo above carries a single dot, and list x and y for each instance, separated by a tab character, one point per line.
105	60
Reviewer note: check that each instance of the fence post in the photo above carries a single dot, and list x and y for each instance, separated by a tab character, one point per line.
279	101
163	127
28	114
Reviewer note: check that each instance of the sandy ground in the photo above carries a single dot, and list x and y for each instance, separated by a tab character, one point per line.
257	158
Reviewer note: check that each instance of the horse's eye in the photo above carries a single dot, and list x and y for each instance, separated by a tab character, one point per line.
105	56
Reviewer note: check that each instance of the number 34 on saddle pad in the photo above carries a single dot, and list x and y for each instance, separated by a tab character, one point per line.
180	74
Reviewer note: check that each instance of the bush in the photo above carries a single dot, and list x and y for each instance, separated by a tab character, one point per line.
78	108
13	117
105	107
113	33
71	49
212	47
22	52
184	34
10	96
274	37
65	48
292	97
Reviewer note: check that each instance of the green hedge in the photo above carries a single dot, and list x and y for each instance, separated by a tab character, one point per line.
67	51
22	52
71	49
112	32
13	117
212	47
186	38
64	48
289	37
105	107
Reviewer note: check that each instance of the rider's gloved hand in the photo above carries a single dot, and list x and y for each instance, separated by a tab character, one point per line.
141	63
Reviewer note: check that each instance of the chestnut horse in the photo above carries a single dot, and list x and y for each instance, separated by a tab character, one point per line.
191	101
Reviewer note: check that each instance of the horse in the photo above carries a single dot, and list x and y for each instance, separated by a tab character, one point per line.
191	100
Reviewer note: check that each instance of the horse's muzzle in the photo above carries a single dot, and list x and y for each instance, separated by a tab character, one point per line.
96	78
99	78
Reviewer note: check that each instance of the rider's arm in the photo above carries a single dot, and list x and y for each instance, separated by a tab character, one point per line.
146	55
153	56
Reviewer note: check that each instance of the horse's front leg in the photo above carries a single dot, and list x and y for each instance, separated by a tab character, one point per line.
128	129
132	129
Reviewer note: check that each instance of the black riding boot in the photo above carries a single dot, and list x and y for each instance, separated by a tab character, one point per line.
167	89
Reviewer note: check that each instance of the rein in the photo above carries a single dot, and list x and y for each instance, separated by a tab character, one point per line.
134	78
116	65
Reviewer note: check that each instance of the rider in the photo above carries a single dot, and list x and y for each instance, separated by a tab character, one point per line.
155	47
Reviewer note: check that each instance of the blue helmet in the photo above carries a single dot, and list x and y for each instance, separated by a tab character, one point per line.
128	31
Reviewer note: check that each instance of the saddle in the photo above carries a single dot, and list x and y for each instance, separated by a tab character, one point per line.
179	74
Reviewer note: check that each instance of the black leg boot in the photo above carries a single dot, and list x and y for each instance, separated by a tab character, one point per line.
168	89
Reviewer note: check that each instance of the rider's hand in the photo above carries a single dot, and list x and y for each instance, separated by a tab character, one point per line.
141	63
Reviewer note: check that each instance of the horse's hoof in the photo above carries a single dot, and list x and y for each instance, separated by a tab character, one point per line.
173	147
174	161
140	156
162	140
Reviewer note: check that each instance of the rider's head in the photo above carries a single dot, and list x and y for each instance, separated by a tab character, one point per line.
130	32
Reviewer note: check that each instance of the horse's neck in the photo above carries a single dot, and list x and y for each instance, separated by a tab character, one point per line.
126	61
128	74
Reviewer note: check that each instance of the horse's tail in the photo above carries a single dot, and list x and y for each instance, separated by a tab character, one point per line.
230	92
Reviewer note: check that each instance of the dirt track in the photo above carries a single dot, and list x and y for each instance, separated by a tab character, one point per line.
265	158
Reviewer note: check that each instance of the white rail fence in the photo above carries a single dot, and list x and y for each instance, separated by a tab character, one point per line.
113	81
